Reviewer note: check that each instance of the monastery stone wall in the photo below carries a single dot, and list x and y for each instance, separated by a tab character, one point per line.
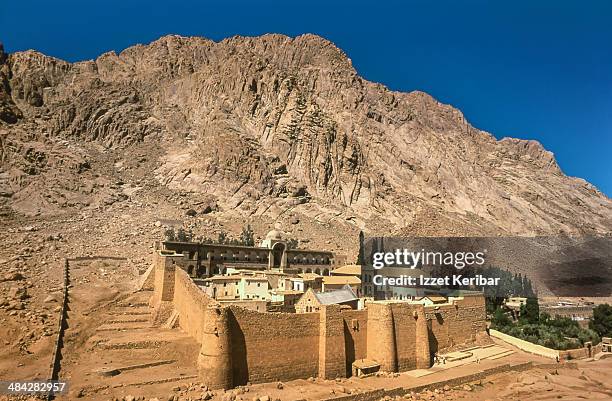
164	279
457	323
240	345
405	325
355	336
273	346
190	302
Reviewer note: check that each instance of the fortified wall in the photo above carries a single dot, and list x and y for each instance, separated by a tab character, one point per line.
240	345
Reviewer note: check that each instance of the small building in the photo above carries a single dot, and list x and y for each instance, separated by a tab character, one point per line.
304	281
254	305
331	283
312	301
515	302
236	287
286	297
606	344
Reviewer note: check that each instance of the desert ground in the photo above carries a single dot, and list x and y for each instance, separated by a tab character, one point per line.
111	352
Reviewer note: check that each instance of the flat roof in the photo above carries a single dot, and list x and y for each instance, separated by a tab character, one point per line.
309	276
233	277
340	280
229	246
287	292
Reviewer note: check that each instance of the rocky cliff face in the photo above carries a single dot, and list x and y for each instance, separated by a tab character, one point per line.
270	127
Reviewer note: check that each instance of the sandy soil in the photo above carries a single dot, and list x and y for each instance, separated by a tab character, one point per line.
112	352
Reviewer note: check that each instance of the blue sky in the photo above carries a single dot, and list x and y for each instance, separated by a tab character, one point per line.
528	69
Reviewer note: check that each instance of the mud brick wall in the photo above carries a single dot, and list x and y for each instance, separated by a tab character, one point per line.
355	336
405	335
190	302
273	346
580	353
332	356
381	336
455	324
164	279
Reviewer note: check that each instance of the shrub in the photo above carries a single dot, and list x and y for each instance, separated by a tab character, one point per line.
602	320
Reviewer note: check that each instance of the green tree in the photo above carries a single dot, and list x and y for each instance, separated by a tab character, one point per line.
247	237
181	235
517	285
222	237
527	288
530	312
169	234
500	319
601	322
361	256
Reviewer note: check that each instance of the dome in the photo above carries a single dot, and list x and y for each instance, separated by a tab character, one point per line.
275	235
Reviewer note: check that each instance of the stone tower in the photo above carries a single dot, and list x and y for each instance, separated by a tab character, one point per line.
423	356
215	359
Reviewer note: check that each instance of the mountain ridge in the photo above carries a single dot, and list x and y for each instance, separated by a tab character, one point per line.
270	127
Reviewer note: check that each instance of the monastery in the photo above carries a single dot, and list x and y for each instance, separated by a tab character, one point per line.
240	304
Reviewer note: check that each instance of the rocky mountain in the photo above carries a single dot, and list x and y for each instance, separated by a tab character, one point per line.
268	129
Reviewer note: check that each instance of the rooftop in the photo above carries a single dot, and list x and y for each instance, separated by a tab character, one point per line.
353	270
309	276
233	277
346	294
435	298
287	292
244	247
341	280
